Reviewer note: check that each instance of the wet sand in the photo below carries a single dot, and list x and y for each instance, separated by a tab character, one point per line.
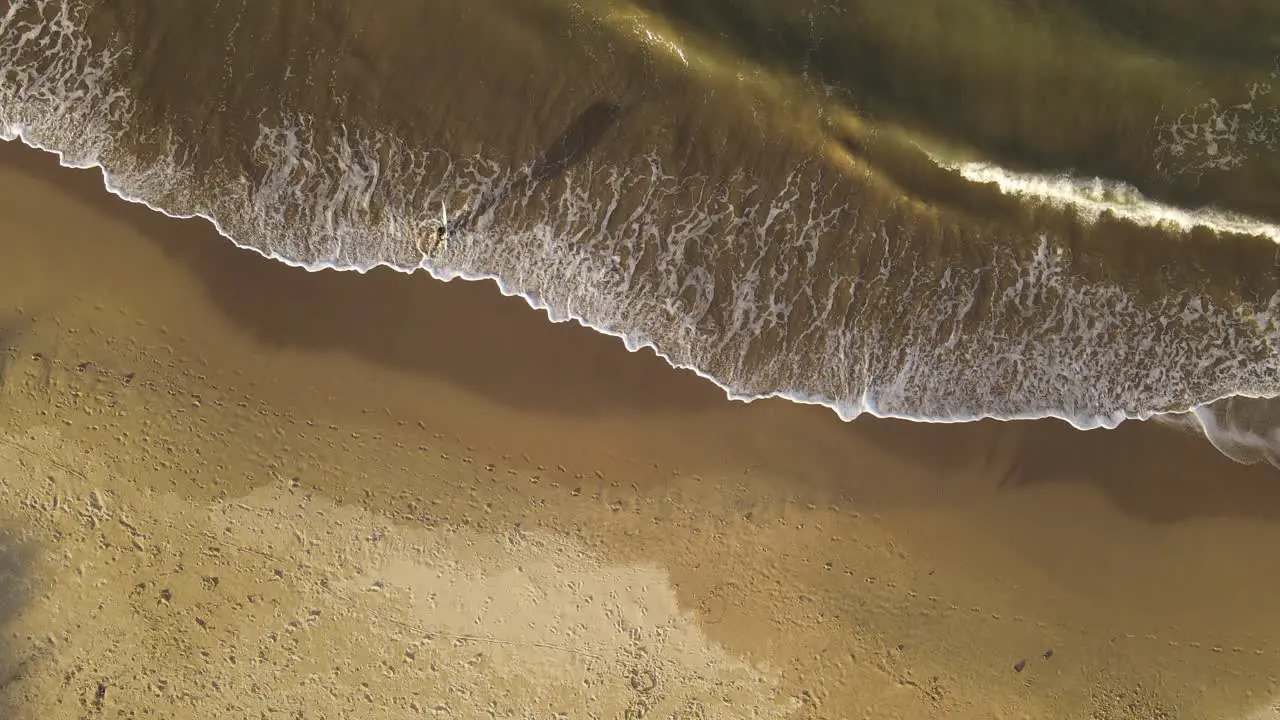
234	487
731	209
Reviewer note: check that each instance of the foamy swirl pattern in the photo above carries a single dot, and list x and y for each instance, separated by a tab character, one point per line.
795	252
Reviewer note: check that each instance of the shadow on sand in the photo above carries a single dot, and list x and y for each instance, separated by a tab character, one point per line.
15	560
469	336
1149	471
462	332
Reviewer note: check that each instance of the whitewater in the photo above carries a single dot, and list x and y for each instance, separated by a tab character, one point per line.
1088	353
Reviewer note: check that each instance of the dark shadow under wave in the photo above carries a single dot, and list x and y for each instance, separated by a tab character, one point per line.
582	135
717	220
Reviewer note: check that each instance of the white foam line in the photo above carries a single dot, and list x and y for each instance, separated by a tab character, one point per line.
866	404
1093	197
351	193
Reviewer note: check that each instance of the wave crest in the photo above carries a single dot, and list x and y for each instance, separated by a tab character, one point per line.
801	286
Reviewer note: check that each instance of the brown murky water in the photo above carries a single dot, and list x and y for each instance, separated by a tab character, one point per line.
751	189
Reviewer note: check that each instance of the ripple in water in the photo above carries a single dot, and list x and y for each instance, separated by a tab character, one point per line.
798	286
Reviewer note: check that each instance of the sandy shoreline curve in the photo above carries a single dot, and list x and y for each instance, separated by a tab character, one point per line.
384	496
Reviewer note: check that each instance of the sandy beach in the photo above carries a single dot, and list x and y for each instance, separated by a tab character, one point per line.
233	488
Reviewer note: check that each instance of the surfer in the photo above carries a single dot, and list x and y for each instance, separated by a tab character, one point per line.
443	233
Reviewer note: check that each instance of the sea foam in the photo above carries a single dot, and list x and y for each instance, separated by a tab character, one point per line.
691	267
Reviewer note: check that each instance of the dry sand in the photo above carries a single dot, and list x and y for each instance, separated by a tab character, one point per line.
233	489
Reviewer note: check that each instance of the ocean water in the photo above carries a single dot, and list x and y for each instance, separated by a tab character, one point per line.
928	210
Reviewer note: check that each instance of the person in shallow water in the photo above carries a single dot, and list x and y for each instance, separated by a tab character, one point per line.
443	233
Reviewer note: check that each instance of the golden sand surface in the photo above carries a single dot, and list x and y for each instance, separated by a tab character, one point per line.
230	488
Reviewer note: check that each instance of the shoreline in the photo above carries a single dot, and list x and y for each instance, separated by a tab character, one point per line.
1186	420
848	557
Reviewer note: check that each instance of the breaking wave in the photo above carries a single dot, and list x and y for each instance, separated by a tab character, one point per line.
796	288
